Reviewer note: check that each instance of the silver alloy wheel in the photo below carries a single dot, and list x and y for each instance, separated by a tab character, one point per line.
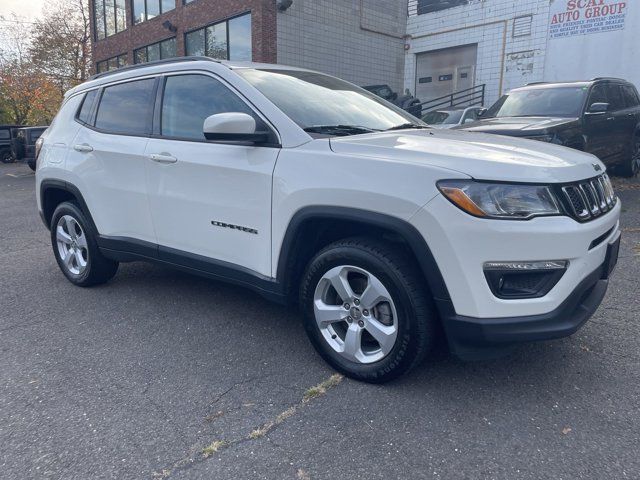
355	314
72	245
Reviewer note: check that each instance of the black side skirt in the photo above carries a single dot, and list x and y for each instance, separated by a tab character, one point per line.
124	249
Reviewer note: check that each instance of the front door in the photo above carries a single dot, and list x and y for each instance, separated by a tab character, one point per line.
599	127
210	202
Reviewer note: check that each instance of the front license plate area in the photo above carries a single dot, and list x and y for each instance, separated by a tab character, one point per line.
611	260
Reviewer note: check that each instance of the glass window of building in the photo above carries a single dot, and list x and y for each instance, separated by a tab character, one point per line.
110	17
144	10
228	40
428	6
155	51
112	63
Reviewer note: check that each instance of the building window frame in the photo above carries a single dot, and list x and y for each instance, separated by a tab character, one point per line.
146	18
119	21
121	60
425	7
159	44
219	22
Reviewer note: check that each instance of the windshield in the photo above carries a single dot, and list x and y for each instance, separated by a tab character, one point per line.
443	118
540	102
312	99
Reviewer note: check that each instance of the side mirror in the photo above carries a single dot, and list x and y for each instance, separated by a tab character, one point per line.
481	112
598	107
233	127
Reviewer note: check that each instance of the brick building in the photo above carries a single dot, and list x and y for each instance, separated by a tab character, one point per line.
359	40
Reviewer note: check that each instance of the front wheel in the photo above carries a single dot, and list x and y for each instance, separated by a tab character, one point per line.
75	248
366	310
7	157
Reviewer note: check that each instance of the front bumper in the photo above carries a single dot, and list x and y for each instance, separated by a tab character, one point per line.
477	338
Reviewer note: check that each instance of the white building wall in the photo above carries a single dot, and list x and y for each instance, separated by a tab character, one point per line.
358	40
604	54
506	61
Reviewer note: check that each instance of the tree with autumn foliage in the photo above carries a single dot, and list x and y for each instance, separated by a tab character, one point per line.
41	59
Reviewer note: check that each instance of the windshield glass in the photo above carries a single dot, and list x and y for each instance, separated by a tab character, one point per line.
540	102
443	118
313	99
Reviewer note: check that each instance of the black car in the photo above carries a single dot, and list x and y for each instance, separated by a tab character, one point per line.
24	144
601	116
406	102
7	134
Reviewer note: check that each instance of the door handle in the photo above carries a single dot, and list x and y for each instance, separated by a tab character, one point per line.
83	148
163	158
610	119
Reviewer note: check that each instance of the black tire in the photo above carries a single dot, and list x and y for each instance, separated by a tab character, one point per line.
98	269
417	321
32	165
631	168
7	157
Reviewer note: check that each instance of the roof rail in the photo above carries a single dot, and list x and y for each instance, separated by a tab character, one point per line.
153	63
609	78
534	83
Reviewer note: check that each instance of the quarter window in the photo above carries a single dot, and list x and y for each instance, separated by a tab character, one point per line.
144	10
190	99
84	114
110	17
126	108
228	40
156	51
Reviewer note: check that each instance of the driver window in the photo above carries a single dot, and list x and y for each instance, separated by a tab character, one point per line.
615	98
189	99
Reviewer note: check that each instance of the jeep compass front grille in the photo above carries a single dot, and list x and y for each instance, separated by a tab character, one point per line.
589	199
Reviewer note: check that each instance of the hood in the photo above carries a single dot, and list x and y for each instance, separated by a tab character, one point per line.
518	125
478	155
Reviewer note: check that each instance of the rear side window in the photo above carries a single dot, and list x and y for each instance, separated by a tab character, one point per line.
126	108
189	99
84	114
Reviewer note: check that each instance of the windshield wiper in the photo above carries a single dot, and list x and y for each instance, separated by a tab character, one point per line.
404	126
339	129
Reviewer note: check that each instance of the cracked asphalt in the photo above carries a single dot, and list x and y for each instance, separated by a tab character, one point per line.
133	379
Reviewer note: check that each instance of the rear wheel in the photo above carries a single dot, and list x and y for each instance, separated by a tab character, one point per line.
75	248
32	165
632	167
366	310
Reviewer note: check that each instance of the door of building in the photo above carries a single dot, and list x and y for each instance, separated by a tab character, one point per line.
442	72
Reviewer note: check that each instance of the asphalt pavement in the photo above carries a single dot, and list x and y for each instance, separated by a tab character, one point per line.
159	374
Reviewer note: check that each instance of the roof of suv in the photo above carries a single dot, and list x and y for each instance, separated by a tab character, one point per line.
161	66
581	83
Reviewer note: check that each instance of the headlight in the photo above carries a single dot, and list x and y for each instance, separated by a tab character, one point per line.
500	200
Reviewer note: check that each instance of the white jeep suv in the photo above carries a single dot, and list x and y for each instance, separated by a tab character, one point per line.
308	189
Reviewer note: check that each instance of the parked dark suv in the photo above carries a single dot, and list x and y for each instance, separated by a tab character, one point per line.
601	116
7	134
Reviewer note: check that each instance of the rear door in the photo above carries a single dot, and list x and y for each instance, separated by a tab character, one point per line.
210	202
107	158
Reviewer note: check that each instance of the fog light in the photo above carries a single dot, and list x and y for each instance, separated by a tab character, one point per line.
518	280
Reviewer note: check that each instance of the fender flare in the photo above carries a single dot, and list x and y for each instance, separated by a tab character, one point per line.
50	184
417	243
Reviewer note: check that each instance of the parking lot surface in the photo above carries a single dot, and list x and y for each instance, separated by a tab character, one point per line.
159	374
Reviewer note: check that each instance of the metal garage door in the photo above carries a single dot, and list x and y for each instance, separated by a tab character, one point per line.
441	72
